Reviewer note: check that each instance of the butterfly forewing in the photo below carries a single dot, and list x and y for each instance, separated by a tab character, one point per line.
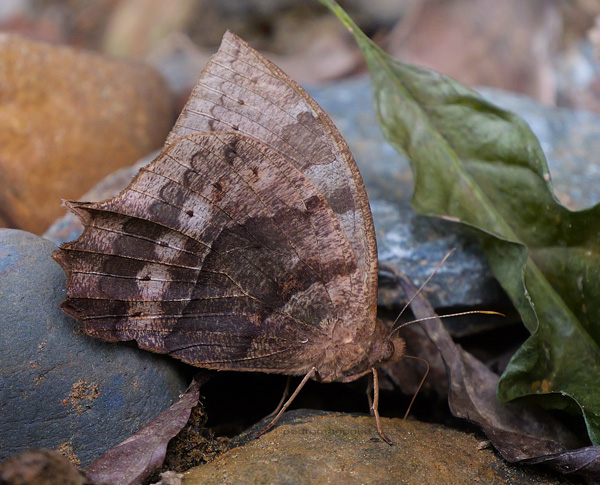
240	90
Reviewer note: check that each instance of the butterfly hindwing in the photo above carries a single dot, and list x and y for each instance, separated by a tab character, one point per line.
220	253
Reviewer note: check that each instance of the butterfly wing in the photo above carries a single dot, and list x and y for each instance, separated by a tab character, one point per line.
244	248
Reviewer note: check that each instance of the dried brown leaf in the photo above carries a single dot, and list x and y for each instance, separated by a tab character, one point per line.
143	453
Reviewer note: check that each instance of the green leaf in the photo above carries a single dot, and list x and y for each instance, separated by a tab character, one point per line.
482	166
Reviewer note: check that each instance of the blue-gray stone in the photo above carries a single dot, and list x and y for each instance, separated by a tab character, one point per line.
59	388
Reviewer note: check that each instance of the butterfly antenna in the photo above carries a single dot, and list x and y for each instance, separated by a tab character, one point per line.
438	266
420	384
459	314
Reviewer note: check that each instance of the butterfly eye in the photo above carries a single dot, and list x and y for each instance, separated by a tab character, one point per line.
389	350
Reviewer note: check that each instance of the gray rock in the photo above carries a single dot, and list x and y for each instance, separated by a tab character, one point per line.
61	389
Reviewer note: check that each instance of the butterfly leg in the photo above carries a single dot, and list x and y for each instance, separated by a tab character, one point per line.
310	374
369	394
375	406
286	393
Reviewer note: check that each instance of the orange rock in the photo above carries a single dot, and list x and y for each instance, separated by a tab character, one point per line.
67	119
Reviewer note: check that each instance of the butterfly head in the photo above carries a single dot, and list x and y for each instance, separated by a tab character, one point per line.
387	346
353	357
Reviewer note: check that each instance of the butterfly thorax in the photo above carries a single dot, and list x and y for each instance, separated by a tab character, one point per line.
349	357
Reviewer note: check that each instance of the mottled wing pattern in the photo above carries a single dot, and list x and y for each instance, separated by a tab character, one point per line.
240	90
220	253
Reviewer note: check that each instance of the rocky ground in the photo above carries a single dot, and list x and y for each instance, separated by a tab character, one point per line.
62	134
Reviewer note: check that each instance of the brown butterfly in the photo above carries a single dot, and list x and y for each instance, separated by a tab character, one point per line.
247	245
